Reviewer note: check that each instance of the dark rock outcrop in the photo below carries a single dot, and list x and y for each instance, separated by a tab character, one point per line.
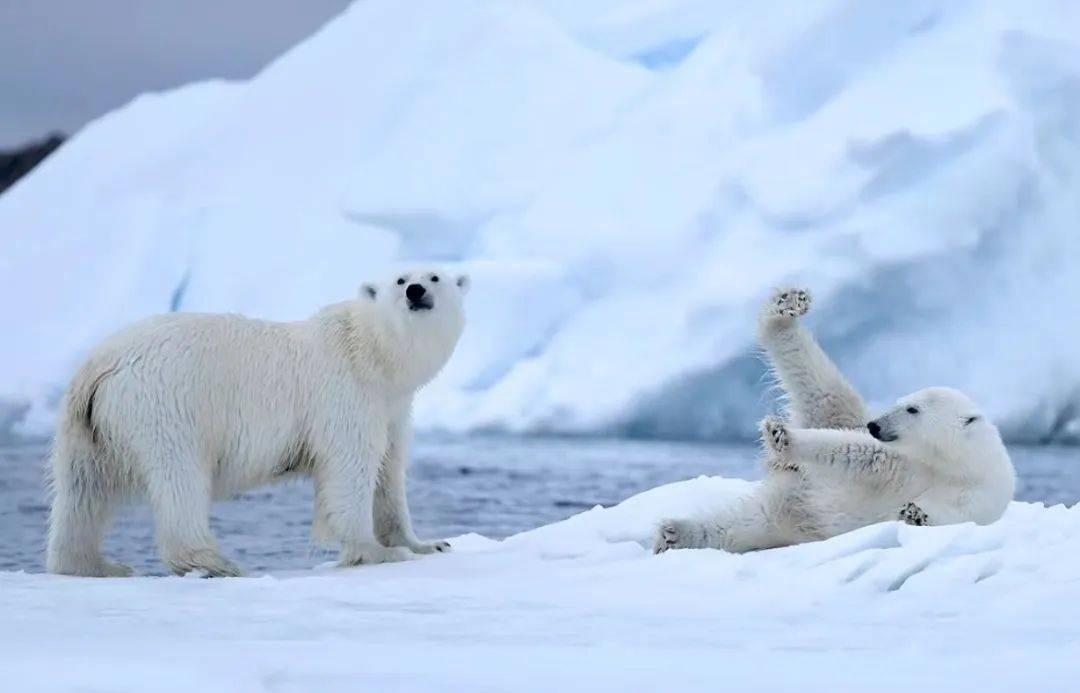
16	163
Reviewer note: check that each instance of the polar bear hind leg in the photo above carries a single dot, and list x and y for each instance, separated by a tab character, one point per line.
740	527
180	502
83	501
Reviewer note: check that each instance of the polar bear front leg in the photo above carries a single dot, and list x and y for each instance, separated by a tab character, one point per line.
345	479
393	523
854	454
819	395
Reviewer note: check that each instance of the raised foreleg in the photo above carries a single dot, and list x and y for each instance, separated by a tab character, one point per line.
853	454
819	395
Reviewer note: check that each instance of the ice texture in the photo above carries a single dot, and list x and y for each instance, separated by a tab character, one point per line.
626	181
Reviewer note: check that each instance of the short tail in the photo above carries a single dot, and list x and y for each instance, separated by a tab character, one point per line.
78	411
77	438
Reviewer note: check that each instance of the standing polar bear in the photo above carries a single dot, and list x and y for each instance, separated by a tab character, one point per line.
184	408
932	459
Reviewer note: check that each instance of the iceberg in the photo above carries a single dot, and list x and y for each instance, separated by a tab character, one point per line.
626	181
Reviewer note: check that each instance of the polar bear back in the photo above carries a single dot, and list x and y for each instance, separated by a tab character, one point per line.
224	386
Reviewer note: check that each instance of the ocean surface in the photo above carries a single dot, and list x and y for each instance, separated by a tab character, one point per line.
489	485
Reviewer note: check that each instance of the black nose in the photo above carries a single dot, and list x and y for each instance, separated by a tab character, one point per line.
874	428
415	292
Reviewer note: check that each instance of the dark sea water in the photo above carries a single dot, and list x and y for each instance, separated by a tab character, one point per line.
492	486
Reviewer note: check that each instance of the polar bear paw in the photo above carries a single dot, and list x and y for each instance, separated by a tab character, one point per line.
373	554
788	303
100	568
775	434
110	569
776	463
203	561
430	547
677	534
912	514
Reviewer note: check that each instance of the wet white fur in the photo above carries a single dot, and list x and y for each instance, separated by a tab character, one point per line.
181	409
825	473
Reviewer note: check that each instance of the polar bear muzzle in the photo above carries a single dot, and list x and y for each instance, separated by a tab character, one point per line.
880	432
418	297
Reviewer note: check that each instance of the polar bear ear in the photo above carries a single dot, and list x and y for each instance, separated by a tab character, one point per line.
463	283
368	291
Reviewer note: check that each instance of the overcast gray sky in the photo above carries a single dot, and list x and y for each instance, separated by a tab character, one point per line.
63	62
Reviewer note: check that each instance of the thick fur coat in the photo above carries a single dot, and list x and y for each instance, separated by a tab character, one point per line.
181	409
934	458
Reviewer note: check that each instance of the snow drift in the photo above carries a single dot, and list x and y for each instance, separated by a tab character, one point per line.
581	604
625	180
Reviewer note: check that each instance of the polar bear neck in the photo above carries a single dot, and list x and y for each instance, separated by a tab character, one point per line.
404	354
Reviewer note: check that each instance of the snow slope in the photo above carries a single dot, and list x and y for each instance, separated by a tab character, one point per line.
581	605
625	179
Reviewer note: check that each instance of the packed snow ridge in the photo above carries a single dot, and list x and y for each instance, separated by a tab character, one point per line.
584	603
625	181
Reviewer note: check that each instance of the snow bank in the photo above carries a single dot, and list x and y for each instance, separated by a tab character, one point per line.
626	180
582	604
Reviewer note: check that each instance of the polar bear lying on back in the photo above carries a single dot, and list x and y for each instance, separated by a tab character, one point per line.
184	408
932	459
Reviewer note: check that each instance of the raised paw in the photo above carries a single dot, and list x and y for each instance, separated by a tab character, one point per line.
789	303
775	434
776	463
676	534
430	547
912	514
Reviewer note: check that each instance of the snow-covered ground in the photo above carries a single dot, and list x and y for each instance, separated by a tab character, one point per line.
582	605
625	179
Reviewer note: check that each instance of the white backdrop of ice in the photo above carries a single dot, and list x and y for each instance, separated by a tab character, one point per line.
625	180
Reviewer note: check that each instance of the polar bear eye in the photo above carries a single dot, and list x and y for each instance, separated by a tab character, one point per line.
435	278
400	281
912	410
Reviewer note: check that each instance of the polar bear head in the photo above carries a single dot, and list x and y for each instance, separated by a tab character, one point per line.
421	316
938	423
